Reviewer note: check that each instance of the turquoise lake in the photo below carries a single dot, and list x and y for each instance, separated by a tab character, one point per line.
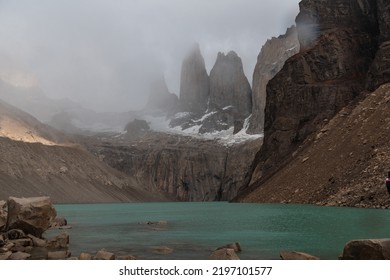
195	229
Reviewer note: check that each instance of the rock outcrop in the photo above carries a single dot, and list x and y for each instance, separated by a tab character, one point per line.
27	219
367	249
338	43
194	83
270	61
228	101
229	86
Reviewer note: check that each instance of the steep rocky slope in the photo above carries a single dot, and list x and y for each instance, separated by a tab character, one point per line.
186	168
344	164
35	160
270	61
337	61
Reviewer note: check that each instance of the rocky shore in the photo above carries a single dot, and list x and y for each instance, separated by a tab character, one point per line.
24	222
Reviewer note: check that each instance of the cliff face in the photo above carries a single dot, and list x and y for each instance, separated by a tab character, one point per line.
380	69
270	61
186	168
194	83
229	86
339	59
337	49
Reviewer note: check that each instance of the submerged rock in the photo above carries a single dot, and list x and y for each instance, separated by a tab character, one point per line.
297	256
58	255
236	246
163	250
59	242
224	254
85	256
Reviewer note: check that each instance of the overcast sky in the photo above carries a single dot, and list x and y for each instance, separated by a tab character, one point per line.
102	53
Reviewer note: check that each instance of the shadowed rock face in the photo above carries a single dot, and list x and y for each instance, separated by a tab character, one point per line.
229	86
269	62
186	168
194	83
338	42
380	69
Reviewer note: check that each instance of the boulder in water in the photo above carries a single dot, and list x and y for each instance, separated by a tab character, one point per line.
224	254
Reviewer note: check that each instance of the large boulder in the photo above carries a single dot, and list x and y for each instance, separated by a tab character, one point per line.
367	249
3	214
32	215
104	255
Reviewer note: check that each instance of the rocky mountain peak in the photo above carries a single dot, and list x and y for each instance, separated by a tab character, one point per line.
194	82
229	85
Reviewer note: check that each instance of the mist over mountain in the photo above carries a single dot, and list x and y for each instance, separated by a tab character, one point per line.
104	54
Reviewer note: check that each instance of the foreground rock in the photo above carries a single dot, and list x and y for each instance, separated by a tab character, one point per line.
162	250
27	219
32	215
236	246
224	254
297	256
104	255
367	249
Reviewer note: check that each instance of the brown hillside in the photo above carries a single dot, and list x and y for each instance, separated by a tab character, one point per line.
343	164
34	162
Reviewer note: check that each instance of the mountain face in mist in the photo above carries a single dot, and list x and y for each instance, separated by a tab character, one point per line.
270	61
226	101
194	83
37	160
339	60
160	99
229	86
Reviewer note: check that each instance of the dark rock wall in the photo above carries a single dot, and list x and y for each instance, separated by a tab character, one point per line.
187	169
229	86
339	40
194	83
270	61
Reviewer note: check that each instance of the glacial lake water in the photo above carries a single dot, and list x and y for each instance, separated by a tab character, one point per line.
195	229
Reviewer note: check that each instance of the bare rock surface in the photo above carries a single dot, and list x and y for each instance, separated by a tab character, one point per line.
224	254
32	215
297	256
367	249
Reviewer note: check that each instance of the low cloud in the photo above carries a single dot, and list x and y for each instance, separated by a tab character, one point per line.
103	53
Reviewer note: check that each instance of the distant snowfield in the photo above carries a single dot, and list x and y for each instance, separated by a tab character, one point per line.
224	137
